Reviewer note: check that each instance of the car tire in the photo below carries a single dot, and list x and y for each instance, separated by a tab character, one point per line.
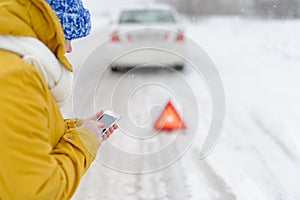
115	69
179	67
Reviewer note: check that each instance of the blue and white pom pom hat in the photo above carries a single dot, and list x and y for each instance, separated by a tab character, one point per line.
74	18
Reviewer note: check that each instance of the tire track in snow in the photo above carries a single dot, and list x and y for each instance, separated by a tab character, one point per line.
214	185
217	182
268	133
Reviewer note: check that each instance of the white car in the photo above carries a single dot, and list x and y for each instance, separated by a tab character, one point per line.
147	37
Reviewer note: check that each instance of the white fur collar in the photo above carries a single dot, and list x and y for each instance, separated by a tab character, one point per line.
34	52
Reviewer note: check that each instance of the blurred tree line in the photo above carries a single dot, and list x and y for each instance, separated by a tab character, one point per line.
261	8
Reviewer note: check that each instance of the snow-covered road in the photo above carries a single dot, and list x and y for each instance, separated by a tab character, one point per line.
258	155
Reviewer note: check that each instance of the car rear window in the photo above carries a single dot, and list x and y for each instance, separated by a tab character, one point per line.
146	16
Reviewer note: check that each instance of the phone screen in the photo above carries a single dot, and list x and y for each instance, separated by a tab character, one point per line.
107	120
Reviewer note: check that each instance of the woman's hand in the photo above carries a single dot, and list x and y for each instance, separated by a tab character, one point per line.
93	126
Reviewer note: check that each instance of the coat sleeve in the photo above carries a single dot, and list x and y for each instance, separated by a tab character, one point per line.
30	168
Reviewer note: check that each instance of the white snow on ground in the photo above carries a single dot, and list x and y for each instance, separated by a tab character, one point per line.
259	153
258	156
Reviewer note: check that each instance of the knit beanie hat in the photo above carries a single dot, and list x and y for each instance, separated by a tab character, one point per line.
74	18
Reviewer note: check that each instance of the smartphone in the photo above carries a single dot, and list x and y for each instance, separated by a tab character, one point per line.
108	118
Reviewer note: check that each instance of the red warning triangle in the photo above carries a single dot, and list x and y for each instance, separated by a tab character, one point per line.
169	119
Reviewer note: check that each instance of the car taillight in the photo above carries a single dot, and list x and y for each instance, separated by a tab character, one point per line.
180	36
166	36
114	37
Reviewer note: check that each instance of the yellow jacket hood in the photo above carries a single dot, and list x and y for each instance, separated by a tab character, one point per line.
34	18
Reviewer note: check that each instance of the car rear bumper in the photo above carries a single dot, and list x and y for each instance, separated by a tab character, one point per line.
146	55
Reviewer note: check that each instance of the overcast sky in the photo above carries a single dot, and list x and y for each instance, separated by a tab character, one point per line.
104	6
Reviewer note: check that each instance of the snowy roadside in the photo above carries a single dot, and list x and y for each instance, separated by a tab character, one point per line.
258	155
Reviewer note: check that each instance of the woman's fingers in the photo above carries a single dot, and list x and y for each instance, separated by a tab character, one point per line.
96	116
115	126
109	132
104	137
100	124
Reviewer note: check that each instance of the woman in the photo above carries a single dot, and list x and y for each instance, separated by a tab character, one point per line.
42	155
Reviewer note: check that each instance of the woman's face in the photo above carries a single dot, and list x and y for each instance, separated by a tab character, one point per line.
68	47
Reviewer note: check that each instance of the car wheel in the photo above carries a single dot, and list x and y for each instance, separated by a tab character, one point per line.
179	67
115	69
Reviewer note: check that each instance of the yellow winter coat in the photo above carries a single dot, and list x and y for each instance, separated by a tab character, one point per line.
42	156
